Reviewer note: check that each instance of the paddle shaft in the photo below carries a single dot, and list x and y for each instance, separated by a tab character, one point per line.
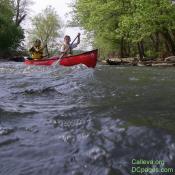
65	52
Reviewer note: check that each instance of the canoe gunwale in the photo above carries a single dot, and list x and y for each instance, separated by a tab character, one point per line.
69	60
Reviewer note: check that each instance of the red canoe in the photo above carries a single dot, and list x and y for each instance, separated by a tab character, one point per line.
87	58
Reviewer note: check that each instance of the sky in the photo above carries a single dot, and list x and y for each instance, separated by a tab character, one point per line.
62	8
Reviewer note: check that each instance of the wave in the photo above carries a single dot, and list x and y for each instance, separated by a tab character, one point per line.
8	141
11	111
45	91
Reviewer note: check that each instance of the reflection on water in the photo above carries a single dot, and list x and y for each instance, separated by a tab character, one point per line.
80	121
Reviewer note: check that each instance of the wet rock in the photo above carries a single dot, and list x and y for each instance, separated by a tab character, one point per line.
171	58
122	61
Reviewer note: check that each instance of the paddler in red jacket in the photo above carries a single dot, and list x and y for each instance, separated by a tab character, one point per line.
67	47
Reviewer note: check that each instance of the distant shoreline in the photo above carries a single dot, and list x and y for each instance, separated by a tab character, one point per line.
169	62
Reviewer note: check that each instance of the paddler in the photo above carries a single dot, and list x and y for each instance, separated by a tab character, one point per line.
67	47
37	50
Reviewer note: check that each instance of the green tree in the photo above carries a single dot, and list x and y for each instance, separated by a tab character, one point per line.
46	26
129	26
21	9
101	18
149	19
10	34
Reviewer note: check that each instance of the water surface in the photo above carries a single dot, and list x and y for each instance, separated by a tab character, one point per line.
80	121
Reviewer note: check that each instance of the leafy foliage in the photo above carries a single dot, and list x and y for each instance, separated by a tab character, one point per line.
129	26
10	34
46	26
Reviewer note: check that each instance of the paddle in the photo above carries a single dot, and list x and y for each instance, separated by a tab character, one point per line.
56	62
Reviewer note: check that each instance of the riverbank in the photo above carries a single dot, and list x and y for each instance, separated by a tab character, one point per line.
17	56
14	58
169	61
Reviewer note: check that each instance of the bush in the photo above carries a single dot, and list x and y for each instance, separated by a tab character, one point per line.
10	34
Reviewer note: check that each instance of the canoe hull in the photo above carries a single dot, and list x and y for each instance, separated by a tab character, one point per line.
45	62
88	58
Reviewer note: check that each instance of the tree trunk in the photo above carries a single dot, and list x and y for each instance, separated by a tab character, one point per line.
173	33
169	40
141	50
128	48
156	41
19	16
17	11
122	48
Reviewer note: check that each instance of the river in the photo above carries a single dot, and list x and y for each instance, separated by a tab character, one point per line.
81	121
